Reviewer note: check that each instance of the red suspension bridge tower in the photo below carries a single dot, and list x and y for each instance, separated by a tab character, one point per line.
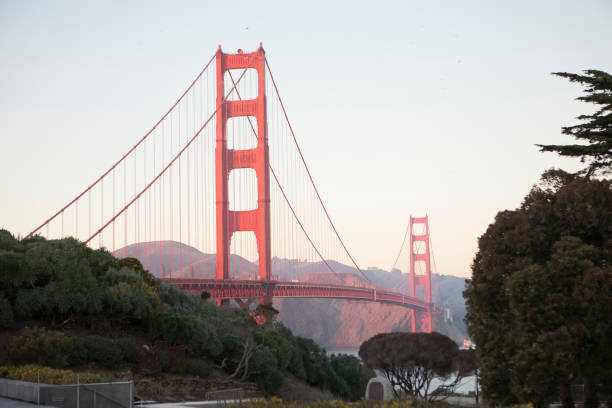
226	160
424	278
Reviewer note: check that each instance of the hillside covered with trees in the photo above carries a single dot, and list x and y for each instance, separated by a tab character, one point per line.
63	304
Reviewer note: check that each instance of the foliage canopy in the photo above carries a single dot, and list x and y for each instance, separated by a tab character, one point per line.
538	302
411	361
595	131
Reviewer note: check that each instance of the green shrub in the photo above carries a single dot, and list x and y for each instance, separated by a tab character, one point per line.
29	303
179	300
279	338
129	294
278	403
78	355
261	365
6	313
233	347
63	278
129	350
102	351
197	368
12	276
274	382
192	331
164	357
355	375
8	241
37	345
135	265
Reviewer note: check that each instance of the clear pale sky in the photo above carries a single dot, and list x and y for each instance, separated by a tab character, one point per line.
402	108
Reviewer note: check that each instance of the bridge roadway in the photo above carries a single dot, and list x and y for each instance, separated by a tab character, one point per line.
244	289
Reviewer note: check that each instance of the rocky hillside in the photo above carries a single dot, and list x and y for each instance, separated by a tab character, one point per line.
346	324
331	323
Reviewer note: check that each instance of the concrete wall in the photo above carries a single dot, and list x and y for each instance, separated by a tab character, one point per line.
102	395
19	390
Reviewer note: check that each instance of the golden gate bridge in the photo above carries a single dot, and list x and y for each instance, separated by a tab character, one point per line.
222	173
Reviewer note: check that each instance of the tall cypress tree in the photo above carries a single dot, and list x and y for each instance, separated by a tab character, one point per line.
595	130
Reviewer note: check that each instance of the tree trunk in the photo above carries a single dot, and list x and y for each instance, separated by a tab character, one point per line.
590	393
566	396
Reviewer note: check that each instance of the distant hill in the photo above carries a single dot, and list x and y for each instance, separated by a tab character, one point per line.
330	322
336	323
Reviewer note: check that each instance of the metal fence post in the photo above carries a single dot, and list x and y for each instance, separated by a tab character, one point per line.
38	389
78	396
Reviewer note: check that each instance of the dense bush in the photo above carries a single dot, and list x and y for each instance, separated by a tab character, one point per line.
354	374
79	353
48	375
54	348
105	352
129	350
179	300
37	345
63	282
279	339
193	331
11	277
135	265
273	381
164	357
197	368
278	350
233	348
278	403
130	295
263	370
102	351
6	313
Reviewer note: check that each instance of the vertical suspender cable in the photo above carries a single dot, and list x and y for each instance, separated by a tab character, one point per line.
135	245
153	214
171	193
125	218
101	209
188	152
180	198
113	210
76	220
161	259
144	204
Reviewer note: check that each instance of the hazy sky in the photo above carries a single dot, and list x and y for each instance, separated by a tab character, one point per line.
402	108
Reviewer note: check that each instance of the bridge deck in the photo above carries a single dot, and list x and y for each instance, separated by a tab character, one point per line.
228	289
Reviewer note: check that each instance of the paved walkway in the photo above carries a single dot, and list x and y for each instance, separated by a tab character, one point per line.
10	403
